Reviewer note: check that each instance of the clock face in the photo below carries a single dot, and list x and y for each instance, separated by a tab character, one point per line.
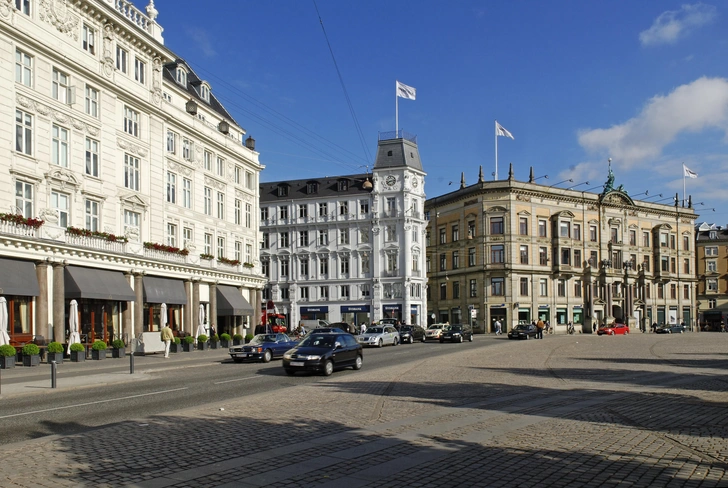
390	180
415	182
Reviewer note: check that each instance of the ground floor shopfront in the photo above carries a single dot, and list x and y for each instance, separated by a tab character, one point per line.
355	313
47	299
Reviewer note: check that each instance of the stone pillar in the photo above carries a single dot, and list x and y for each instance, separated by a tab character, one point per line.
608	312
42	326
59	295
195	323
126	313
188	310
139	304
257	296
212	317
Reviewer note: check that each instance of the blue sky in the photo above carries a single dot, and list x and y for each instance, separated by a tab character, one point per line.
644	83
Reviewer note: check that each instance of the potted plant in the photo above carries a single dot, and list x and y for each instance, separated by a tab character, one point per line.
118	348
202	342
31	355
189	344
7	356
225	340
248	338
214	341
176	345
78	353
237	339
55	352
98	350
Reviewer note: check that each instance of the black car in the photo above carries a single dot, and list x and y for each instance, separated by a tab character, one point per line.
411	333
457	333
523	331
323	353
670	329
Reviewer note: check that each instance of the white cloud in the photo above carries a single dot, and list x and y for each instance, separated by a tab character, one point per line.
202	41
691	108
672	24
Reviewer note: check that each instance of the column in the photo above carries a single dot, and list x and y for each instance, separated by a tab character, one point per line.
59	295
195	319
257	296
188	309
127	318
42	326
139	304
608	311
212	318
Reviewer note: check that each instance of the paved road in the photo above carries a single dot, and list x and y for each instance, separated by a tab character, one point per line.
641	410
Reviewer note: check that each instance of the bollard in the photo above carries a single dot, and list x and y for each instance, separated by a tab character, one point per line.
53	374
131	363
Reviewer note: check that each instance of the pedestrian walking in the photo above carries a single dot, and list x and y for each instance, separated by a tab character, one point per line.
497	327
363	328
540	325
167	337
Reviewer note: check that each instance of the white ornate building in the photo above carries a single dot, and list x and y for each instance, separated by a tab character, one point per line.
349	248
146	186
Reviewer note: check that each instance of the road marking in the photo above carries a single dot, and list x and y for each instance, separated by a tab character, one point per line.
91	403
237	379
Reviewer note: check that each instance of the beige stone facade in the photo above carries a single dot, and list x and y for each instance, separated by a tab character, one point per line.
518	251
712	268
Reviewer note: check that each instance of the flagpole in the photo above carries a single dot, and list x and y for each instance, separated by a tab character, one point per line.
683	184
396	113
495	131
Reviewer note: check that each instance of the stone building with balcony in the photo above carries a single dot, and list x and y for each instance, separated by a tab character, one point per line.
711	248
349	248
518	251
125	183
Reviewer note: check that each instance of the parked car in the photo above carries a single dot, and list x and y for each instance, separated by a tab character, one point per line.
387	322
523	331
263	347
411	333
343	326
434	331
379	335
457	333
323	353
670	329
613	329
321	330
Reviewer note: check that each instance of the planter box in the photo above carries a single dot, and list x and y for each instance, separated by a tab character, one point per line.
188	347
175	347
203	346
78	356
225	344
55	356
32	360
7	362
237	342
215	345
98	355
118	353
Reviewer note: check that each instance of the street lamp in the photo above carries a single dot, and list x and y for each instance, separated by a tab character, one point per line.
545	177
659	195
578	184
646	192
570	180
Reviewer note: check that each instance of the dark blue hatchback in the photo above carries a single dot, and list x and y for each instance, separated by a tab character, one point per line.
323	353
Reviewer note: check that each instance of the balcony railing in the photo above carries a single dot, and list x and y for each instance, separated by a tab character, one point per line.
17	229
95	243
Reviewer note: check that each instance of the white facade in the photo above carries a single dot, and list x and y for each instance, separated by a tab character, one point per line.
108	132
349	248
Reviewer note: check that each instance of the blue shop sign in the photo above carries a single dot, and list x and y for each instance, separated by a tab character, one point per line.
354	308
322	309
392	308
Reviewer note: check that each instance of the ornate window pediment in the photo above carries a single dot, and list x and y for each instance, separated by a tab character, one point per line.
564	214
524	213
497	209
134	201
63	178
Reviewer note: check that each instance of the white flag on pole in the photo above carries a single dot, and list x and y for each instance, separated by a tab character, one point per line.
404	91
501	131
689	173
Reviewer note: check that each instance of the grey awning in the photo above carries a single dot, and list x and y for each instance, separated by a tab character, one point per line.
18	278
231	302
100	284
163	290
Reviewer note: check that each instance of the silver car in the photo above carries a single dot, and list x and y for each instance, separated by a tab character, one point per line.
379	335
434	331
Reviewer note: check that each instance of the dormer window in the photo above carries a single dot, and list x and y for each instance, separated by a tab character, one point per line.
713	234
312	187
205	92
343	185
282	190
180	76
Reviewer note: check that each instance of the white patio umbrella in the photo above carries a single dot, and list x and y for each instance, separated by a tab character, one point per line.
201	325
4	337
75	336
163	316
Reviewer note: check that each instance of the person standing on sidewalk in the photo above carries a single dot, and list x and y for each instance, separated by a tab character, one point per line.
167	338
497	327
539	327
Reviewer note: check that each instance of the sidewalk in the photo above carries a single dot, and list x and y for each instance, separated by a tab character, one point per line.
23	380
637	410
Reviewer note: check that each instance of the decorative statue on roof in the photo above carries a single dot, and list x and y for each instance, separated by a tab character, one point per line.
609	185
